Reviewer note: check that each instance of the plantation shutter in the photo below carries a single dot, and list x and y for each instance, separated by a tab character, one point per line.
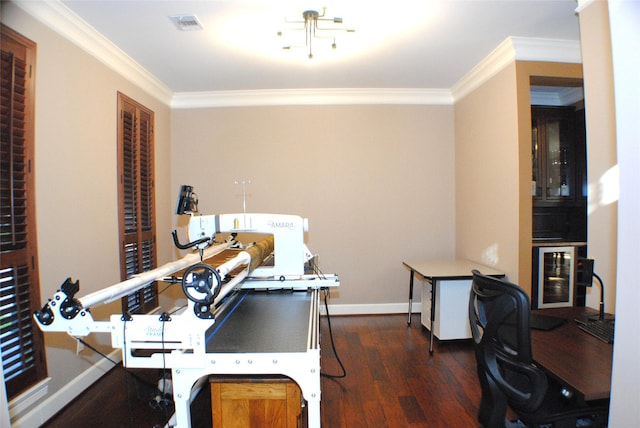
137	202
21	342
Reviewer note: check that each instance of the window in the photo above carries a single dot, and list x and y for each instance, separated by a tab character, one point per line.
136	201
21	341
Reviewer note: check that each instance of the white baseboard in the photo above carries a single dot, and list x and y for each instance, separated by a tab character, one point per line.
55	402
29	398
371	309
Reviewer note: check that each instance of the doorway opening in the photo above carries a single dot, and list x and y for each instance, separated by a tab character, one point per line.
558	188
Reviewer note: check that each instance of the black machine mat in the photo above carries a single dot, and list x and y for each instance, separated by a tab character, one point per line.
262	321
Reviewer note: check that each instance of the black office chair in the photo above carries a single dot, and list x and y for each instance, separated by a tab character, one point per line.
499	315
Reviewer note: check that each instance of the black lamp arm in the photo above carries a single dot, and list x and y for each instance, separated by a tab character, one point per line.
601	295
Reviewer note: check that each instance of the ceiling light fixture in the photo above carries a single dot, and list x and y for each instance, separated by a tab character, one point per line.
312	30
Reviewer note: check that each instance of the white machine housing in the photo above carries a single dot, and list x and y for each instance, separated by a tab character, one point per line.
290	252
178	341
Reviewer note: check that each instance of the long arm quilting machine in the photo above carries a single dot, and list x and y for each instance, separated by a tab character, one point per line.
192	342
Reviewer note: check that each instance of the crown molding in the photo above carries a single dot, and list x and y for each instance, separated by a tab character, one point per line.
55	15
65	22
333	96
558	97
549	50
498	59
516	49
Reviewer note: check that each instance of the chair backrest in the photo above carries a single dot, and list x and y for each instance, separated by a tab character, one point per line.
499	314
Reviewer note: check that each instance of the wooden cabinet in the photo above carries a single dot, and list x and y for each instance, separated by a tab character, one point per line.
274	402
559	174
553	154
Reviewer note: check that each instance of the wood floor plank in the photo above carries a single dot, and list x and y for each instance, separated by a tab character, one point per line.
412	410
413	387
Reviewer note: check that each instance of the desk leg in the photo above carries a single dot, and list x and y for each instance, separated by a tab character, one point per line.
434	284
410	297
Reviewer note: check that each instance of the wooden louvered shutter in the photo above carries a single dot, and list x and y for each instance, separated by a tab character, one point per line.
21	342
137	201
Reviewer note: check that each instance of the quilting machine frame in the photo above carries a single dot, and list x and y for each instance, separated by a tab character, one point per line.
179	341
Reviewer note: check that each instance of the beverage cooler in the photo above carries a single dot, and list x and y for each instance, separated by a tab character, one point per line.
554	277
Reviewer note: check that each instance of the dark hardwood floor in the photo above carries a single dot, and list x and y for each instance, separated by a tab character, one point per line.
391	381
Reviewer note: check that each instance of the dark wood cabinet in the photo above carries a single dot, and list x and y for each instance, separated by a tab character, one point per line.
553	154
559	178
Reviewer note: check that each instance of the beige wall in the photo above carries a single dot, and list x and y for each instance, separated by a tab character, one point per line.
601	147
375	182
486	167
76	178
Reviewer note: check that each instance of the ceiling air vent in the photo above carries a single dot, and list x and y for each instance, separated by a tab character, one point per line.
186	22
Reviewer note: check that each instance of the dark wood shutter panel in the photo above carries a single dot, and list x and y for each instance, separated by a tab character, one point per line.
21	342
146	172
17	329
130	174
137	201
13	185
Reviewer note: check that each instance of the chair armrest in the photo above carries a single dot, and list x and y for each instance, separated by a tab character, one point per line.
524	384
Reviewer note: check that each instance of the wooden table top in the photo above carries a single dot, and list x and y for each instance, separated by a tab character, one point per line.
575	357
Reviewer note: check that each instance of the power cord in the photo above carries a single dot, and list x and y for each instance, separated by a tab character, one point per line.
128	374
163	398
333	345
316	270
159	400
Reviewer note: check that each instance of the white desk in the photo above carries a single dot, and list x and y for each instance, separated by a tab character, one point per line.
437	272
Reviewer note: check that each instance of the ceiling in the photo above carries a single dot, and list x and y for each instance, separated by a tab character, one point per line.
417	44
